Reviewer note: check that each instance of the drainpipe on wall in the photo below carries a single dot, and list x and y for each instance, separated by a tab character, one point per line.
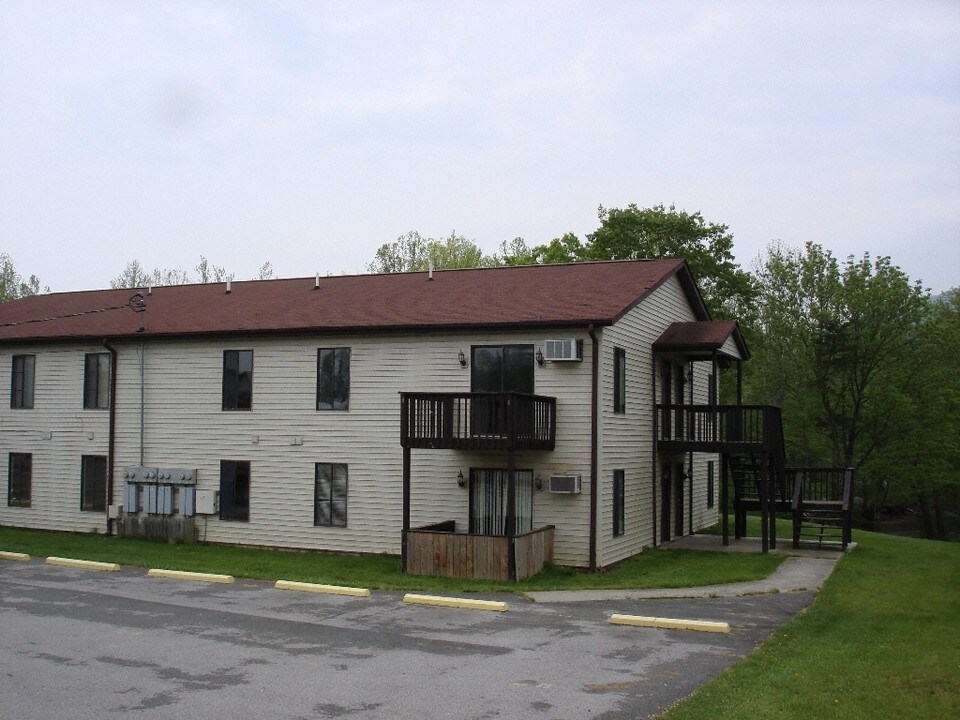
111	442
594	451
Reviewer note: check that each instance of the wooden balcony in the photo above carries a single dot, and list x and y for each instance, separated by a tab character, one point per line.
718	428
478	421
439	550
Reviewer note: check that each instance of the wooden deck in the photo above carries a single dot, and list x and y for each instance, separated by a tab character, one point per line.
439	550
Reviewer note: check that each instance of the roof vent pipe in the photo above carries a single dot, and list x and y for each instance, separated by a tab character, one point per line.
430	276
316	283
228	286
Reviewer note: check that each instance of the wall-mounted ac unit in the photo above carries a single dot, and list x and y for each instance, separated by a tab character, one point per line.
567	484
567	350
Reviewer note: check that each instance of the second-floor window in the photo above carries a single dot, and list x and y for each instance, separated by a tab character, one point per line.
619	380
237	379
21	381
333	378
96	381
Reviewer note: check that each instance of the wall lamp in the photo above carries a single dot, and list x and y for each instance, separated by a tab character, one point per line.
462	359
538	482
539	357
460	481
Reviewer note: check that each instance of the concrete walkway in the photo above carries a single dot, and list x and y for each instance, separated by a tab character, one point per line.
805	569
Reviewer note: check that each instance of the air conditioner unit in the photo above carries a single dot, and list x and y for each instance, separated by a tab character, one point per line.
567	484
568	350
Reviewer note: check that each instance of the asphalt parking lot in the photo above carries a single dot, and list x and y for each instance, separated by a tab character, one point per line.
85	644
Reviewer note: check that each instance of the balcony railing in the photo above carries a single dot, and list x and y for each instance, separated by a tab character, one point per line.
717	428
478	421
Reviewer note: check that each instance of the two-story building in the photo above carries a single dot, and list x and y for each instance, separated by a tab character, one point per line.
345	413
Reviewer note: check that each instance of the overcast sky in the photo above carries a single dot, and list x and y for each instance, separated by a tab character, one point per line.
307	134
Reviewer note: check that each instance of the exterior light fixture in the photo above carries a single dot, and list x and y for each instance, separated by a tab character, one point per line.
462	359
460	481
538	482
539	357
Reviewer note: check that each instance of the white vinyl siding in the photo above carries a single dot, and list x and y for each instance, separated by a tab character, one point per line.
58	432
627	438
284	437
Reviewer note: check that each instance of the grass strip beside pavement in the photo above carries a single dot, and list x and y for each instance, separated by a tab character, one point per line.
881	640
653	568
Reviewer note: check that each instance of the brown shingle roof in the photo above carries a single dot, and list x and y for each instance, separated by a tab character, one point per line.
537	295
700	337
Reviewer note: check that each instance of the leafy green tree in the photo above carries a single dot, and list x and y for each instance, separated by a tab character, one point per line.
840	349
632	233
922	461
565	249
411	252
12	285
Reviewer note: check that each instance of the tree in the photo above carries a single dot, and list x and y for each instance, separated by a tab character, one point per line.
12	285
411	252
840	349
664	232
210	273
135	276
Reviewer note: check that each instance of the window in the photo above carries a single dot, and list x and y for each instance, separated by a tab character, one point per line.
619	380
93	483
710	490
488	501
21	381
19	479
502	368
498	369
96	381
330	495
333	379
237	379
619	495
235	490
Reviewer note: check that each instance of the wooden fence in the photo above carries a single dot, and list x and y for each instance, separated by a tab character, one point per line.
439	550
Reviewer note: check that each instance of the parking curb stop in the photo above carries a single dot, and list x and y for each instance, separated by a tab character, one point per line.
7	555
185	575
670	623
320	588
83	564
462	603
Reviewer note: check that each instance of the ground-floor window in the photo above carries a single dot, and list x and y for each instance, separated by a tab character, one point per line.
619	496
93	483
488	501
330	495
710	489
19	479
235	490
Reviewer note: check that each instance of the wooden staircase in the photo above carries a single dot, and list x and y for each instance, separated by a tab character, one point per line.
822	506
749	439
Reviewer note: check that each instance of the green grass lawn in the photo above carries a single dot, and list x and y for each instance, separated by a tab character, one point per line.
882	640
652	568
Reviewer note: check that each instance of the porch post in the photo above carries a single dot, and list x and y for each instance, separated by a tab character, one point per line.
724	499
511	518
406	509
763	488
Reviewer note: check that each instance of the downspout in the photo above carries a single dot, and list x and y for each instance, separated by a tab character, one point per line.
111	441
594	450
141	351
655	470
